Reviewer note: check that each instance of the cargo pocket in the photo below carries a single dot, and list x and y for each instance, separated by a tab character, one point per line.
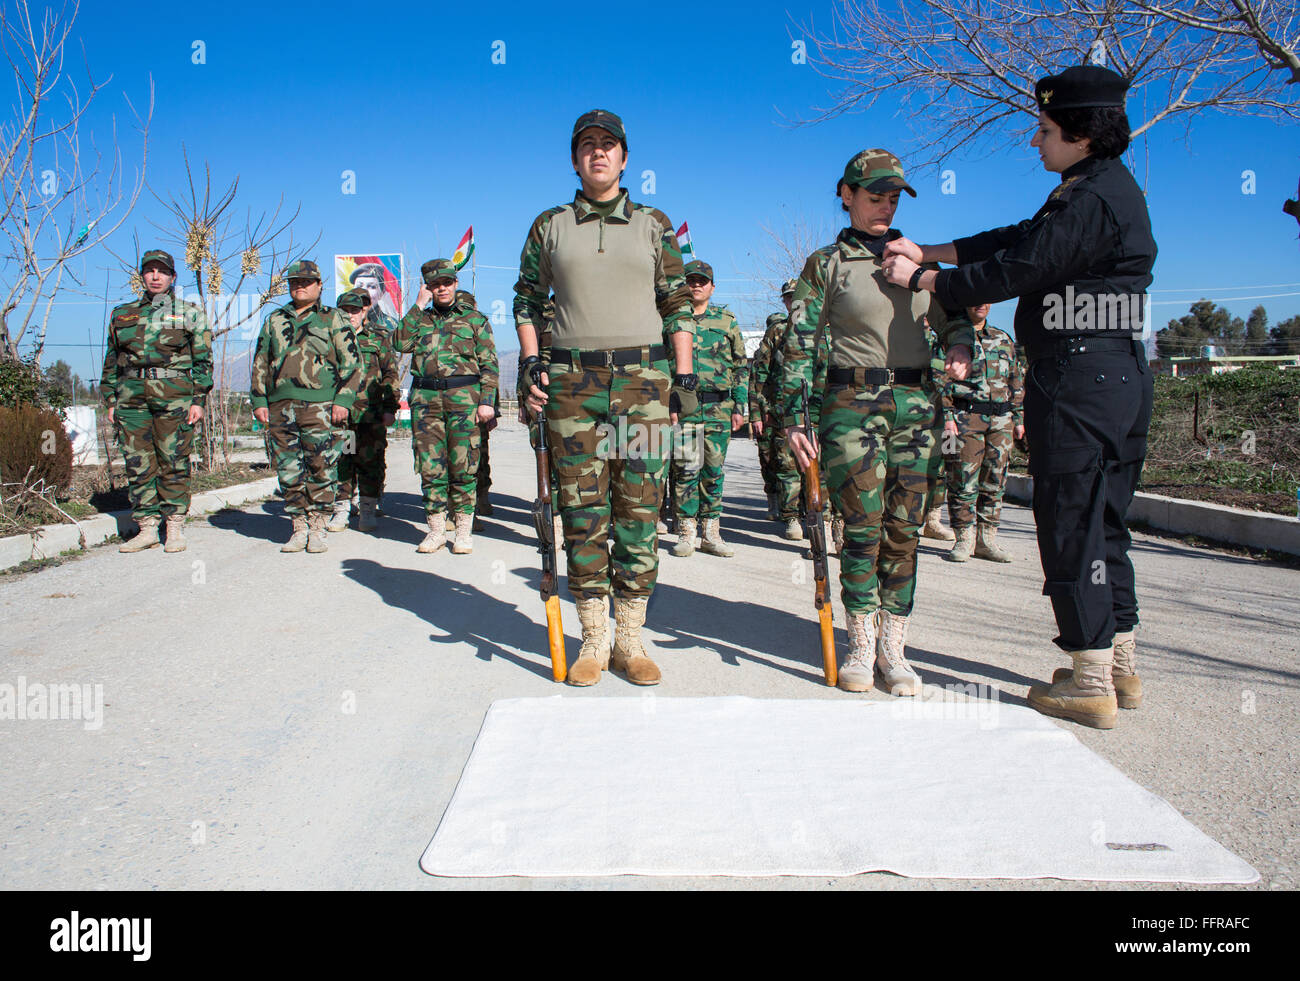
579	486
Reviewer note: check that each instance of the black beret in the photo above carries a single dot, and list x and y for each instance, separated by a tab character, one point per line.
1081	87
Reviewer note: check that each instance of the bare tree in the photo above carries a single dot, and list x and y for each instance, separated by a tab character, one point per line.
77	199
965	69
784	250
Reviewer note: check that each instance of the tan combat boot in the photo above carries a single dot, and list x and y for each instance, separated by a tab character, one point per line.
965	545
147	538
1085	696
630	658
837	534
593	656
463	543
933	527
366	514
857	673
316	532
712	541
686	538
437	536
986	544
793	530
339	519
660	527
896	676
1128	686
298	540
175	533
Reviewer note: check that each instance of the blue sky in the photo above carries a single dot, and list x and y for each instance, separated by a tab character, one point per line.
439	137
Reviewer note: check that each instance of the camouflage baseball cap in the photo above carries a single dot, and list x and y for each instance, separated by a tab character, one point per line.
788	286
438	269
158	255
303	269
876	170
602	118
353	300
697	268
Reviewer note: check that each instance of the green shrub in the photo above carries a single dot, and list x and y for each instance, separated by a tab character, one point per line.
21	383
33	439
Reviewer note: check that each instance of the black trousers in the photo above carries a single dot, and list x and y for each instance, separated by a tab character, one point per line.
1086	422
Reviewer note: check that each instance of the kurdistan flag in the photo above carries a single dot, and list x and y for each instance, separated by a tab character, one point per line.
684	242
465	249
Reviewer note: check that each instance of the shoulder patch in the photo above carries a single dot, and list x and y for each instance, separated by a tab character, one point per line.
1065	188
654	213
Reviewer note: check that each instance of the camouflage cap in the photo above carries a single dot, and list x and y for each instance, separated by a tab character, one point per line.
697	268
353	300
1081	87
438	269
602	118
303	269
158	255
876	170
788	286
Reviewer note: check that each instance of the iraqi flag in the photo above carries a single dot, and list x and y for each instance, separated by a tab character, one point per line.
465	249
684	243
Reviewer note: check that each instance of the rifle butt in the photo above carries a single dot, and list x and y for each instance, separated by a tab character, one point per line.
555	637
829	667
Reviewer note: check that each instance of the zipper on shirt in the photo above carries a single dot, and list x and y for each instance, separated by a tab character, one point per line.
602	236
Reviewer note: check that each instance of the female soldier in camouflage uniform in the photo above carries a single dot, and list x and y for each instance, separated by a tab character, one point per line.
864	347
620	293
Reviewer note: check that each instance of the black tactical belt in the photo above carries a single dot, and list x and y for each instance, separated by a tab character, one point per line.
157	371
1068	346
713	395
875	376
982	405
610	359
451	381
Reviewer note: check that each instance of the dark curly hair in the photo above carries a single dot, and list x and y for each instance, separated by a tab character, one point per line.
1105	126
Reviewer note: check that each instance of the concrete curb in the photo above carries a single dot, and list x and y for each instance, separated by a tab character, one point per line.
1216	522
50	540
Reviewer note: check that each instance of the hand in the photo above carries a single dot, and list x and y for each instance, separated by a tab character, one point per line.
672	418
424	296
194	415
802	445
950	427
737	422
537	397
262	415
905	247
112	411
390	418
957	363
898	269
485	413
338	415
1018	432
757	427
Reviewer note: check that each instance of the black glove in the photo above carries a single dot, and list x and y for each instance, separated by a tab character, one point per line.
681	397
532	368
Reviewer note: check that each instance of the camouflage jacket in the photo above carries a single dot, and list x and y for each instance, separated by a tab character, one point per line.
618	280
995	375
846	314
377	393
158	331
765	372
457	341
720	362
313	358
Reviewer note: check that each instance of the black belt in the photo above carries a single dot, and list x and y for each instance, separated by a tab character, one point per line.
713	395
612	358
438	384
982	405
156	371
875	376
1068	346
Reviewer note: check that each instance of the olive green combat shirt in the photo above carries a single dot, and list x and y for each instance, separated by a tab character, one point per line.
157	331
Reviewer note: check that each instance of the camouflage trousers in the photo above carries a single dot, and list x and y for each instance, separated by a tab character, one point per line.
609	435
555	480
785	479
977	473
699	460
304	447
880	451
361	461
156	442
445	440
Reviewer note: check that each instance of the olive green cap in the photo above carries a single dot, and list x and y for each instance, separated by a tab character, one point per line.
602	118
303	269
438	269
353	300
876	170
158	255
697	268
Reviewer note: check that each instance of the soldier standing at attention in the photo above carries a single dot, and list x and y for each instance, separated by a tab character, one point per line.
765	415
1088	392
865	348
453	380
157	372
620	292
985	415
306	371
701	455
372	413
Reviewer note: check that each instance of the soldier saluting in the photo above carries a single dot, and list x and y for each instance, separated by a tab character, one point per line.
157	372
1088	394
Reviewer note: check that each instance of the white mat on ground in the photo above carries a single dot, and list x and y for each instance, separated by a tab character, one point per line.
573	786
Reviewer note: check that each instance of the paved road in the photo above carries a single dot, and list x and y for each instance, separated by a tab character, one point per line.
288	721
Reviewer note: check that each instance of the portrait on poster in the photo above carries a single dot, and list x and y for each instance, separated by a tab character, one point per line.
380	275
